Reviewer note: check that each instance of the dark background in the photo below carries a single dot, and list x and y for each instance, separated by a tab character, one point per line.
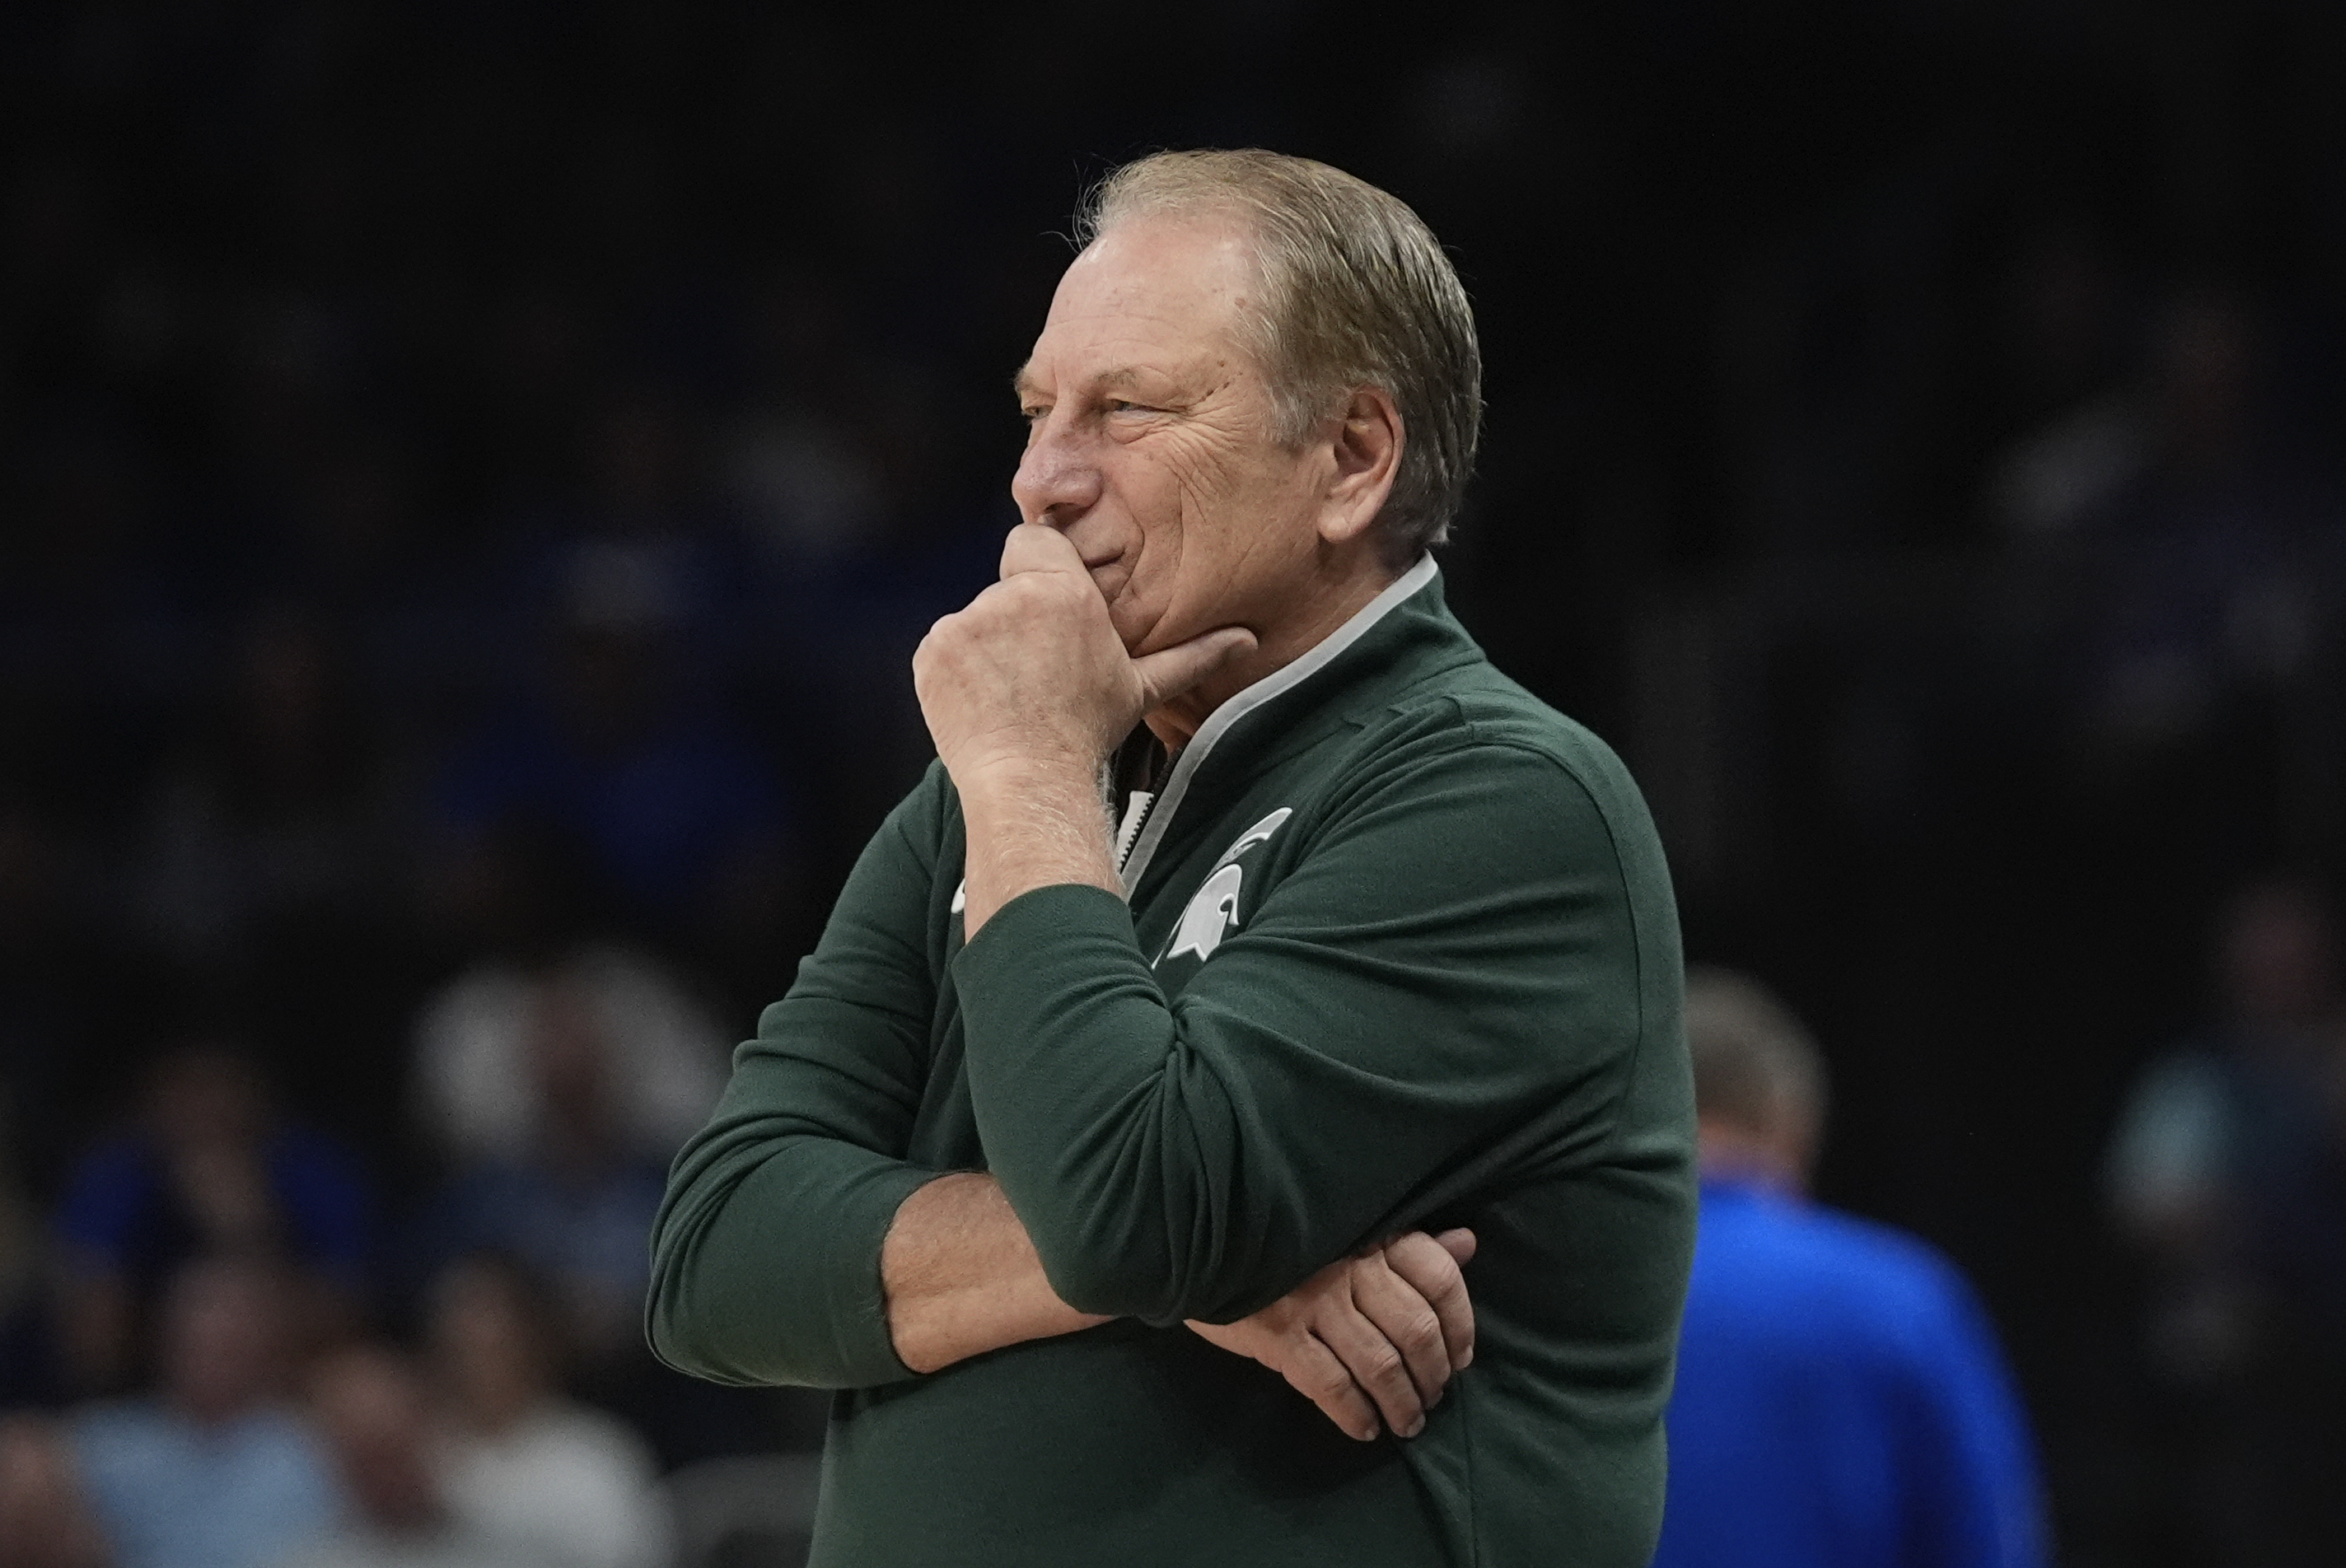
334	338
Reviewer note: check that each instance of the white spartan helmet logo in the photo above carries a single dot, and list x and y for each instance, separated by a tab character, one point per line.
1213	909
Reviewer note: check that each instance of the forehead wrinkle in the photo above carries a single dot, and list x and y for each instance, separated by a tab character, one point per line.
1122	378
1026	383
1188	328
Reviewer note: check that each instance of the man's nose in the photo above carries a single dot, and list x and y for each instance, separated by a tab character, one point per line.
1057	480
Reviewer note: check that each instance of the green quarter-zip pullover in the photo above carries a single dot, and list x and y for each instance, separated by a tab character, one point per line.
1398	951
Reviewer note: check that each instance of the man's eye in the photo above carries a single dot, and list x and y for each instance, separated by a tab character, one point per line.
1120	405
1034	415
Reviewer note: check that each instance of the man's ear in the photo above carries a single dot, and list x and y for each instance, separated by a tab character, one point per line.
1369	438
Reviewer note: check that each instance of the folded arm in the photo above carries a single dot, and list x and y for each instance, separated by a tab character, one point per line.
1440	975
1372	1340
795	1245
961	1278
766	1256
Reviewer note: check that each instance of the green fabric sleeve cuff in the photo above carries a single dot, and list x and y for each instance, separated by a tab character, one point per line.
770	1297
866	1351
1017	953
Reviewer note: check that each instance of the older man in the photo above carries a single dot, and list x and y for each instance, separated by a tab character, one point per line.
1251	929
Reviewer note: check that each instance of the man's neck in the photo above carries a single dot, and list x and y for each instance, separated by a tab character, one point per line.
1276	648
1738	1157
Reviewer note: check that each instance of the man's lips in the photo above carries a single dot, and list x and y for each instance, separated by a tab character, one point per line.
1109	577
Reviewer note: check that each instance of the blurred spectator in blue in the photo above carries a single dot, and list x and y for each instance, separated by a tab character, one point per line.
269	870
2227	1170
564	1173
371	1407
1842	1402
2194	584
207	1167
680	820
517	1460
46	1519
272	813
642	491
2219	1141
864	528
214	1470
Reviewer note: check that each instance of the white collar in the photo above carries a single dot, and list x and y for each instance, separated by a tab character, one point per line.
1285	679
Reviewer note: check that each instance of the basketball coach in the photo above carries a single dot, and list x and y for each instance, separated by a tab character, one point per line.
1255	955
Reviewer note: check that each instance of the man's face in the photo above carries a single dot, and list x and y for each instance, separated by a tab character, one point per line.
1150	441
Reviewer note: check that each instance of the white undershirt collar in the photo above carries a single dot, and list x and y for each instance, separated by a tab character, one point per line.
1285	679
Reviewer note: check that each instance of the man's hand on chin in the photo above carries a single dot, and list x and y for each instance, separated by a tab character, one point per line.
1025	691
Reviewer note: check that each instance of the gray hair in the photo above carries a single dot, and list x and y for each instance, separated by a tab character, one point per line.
1756	1067
1360	294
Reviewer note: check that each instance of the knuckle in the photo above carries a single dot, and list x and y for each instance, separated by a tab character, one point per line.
1327	1383
1430	1263
1414	1255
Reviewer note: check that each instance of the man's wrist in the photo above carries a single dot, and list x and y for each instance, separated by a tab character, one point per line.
1021	775
1033	823
961	1278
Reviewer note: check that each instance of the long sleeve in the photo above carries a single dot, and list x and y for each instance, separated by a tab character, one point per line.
766	1253
1450	968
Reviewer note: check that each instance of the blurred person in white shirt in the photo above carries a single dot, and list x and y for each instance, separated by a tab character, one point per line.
517	1459
375	1415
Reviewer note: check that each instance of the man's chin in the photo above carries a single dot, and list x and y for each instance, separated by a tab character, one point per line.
1136	629
1111	578
1130	623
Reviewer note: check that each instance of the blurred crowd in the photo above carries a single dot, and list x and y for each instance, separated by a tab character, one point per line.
447	654
2228	1174
264	1442
473	478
